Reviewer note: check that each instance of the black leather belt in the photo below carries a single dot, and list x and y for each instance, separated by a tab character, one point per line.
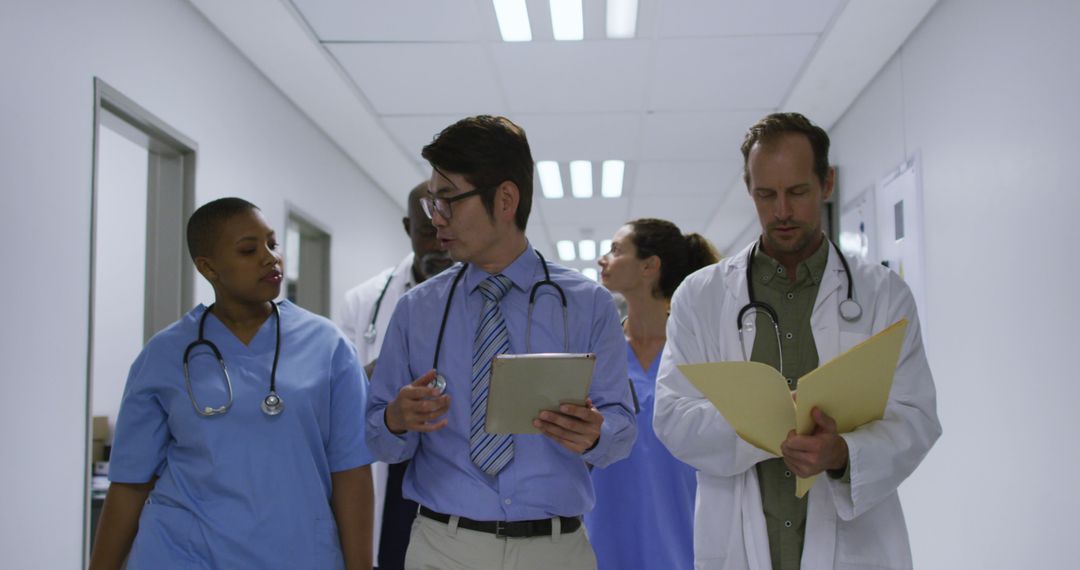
504	529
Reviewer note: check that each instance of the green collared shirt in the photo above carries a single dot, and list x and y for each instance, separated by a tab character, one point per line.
785	515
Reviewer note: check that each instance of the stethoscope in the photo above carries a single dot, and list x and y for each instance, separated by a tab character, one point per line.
439	383
850	309
271	404
371	334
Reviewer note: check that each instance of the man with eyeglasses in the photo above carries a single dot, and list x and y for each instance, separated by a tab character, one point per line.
487	500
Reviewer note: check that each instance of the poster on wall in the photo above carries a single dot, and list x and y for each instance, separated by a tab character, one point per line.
900	236
858	231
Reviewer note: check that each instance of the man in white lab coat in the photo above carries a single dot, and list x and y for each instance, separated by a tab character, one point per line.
747	515
367	311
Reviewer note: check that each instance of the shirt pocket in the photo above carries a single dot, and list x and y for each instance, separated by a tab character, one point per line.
164	539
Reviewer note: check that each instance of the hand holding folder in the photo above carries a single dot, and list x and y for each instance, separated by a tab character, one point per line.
852	388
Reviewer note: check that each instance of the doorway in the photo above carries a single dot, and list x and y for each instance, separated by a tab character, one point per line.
142	193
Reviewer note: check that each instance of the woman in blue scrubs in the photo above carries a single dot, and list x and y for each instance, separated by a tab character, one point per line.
199	483
645	503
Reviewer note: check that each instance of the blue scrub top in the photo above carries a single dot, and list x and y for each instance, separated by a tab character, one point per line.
644	515
243	489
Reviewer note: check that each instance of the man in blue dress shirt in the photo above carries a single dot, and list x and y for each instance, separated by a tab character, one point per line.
490	501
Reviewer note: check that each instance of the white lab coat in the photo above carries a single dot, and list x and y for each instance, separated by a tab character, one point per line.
355	319
856	525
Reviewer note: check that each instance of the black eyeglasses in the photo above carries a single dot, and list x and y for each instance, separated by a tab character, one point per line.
442	205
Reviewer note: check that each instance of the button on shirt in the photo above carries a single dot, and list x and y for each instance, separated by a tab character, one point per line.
544	479
785	514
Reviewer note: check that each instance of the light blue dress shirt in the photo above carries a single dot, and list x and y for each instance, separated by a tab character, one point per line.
544	479
242	489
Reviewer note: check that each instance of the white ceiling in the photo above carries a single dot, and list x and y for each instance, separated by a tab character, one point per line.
673	103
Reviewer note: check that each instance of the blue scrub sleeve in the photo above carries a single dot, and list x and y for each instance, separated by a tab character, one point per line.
142	428
348	397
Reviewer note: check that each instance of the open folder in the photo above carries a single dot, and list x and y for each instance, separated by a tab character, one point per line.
754	398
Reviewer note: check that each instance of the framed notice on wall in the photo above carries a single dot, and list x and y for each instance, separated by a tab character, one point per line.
900	236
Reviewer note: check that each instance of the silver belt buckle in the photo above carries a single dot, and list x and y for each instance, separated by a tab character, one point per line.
499	528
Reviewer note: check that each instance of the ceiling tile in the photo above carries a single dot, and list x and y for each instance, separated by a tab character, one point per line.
726	73
413	132
576	77
397	21
579	212
690	213
681	178
412	79
696	136
711	18
598	136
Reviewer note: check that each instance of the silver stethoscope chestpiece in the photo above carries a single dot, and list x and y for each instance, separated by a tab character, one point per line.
439	383
850	310
272	404
370	334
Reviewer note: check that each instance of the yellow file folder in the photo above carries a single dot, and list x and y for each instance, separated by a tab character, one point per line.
754	398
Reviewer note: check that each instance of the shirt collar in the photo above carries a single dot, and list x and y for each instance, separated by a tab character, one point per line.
521	272
810	270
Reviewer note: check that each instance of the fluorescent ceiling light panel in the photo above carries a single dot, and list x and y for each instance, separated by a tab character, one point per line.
567	20
590	272
587	249
581	178
550	178
621	19
605	247
611	183
566	249
513	18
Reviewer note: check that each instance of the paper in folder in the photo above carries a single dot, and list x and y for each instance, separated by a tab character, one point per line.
852	388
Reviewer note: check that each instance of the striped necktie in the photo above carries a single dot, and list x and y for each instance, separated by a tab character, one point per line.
490	452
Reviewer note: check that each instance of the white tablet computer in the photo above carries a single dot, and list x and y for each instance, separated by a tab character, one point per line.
524	384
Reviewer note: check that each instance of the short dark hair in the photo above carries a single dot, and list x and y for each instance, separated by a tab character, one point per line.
680	255
204	226
487	151
777	124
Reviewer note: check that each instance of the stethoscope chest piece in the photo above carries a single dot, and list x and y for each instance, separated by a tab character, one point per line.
850	310
439	383
370	334
272	404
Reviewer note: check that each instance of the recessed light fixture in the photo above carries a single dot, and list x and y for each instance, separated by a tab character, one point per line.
566	249
612	181
621	19
550	178
605	247
581	178
567	20
513	17
590	272
587	249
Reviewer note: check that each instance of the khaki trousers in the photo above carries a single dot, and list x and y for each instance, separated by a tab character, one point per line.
443	546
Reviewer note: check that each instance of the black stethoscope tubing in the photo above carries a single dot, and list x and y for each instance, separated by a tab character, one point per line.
440	382
271	405
372	333
850	309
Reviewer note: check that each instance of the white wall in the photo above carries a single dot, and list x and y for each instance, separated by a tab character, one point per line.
252	143
987	91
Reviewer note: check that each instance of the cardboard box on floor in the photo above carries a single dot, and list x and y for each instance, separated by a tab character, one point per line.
100	435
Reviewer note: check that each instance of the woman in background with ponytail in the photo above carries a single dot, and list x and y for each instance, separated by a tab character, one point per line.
644	510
